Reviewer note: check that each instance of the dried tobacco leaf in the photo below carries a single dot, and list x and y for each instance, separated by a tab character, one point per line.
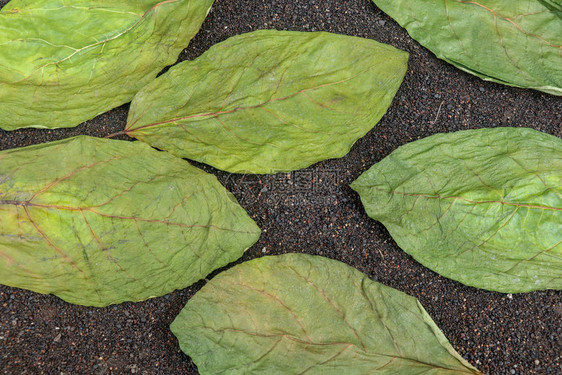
517	43
97	221
269	101
64	62
298	313
483	207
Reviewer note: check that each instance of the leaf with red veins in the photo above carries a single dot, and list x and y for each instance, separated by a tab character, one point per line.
269	101
97	221
483	207
302	314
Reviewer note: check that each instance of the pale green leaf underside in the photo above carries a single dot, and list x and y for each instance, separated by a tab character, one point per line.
63	62
483	207
298	313
97	221
269	101
517	43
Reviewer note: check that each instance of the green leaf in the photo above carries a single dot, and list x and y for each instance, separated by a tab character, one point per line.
483	207
63	62
297	313
96	221
269	101
517	43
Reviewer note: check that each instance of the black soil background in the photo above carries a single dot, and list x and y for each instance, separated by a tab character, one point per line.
312	211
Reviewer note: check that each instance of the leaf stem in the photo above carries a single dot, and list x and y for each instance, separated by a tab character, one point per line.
122	132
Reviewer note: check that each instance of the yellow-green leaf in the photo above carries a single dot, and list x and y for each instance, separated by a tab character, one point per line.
304	314
96	221
63	62
269	101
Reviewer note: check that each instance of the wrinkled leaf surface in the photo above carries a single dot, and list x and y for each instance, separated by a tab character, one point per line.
96	221
297	313
483	207
63	62
516	43
269	101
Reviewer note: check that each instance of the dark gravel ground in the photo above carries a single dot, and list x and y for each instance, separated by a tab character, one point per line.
312	211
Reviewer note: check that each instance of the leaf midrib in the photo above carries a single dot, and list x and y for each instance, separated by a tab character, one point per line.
491	201
26	204
130	130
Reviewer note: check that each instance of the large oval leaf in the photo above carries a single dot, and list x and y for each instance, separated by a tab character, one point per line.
269	101
516	43
64	62
96	221
483	207
297	313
